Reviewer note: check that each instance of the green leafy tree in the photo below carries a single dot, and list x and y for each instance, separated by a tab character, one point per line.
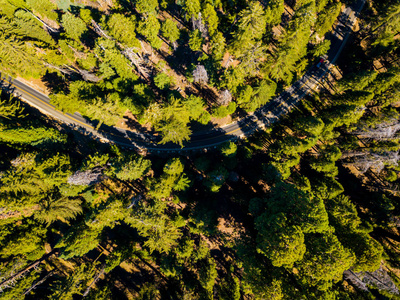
175	132
52	210
150	27
195	106
131	168
17	56
208	274
217	45
195	40
30	27
191	8
147	6
229	149
122	28
74	284
251	28
210	17
79	241
325	260
74	27
170	30
45	8
162	81
326	18
10	106
281	243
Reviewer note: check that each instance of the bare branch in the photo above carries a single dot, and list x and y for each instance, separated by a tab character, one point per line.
200	75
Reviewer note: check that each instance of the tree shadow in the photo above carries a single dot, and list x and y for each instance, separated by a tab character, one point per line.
55	83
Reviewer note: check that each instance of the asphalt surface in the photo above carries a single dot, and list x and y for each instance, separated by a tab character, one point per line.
263	117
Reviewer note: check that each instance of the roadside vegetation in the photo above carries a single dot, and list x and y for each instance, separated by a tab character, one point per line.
306	209
171	65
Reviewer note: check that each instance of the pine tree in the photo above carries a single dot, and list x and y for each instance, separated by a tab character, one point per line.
122	28
53	209
45	8
251	28
170	30
73	26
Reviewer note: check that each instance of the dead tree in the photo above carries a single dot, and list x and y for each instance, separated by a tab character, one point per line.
88	76
383	131
225	97
36	284
95	279
137	61
379	279
200	75
10	280
199	24
99	30
376	161
87	177
135	200
49	28
60	69
355	280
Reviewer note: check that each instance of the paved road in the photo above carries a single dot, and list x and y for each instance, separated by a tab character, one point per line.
263	117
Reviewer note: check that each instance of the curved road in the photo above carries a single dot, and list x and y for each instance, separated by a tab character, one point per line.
263	117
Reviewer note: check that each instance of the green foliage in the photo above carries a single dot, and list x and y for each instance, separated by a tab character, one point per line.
216	179
34	135
146	6
322	48
113	60
52	210
211	18
195	40
208	274
170	30
30	27
10	107
345	219
325	261
260	96
131	168
122	28
195	106
326	18
46	8
16	56
277	229
23	240
223	111
73	26
86	15
251	28
150	27
191	8
217	45
163	81
281	243
75	284
293	44
77	243
229	149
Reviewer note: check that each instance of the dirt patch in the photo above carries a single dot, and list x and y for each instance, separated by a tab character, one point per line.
130	122
221	121
228	61
37	84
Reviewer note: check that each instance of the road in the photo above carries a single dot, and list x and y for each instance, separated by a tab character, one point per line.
246	126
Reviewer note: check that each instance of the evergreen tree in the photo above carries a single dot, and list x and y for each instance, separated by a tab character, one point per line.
73	26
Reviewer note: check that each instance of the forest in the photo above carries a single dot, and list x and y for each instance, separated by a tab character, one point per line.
308	208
